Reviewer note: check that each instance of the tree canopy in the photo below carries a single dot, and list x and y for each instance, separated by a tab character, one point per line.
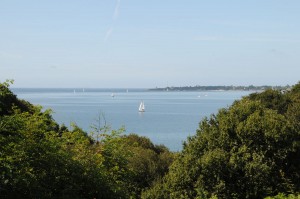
41	159
249	150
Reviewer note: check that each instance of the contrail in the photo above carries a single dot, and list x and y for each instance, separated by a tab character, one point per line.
115	17
116	12
108	33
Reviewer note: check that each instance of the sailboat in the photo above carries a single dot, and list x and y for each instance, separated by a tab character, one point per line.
142	107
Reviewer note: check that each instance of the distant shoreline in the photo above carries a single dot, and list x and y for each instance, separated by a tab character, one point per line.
157	89
221	88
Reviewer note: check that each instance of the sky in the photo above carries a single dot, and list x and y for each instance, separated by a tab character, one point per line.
147	44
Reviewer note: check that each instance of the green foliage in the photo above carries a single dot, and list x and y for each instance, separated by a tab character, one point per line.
283	196
148	162
249	150
272	99
30	160
8	100
40	159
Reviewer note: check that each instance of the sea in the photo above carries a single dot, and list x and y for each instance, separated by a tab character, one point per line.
169	117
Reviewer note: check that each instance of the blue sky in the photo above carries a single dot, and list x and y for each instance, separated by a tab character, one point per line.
134	43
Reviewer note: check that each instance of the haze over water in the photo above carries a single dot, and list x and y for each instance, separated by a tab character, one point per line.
170	117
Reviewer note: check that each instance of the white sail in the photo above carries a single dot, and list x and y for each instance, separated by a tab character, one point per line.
142	107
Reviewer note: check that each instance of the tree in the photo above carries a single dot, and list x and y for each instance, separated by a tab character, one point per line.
148	162
249	150
40	159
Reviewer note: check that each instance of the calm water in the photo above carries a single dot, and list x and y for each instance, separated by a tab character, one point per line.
170	117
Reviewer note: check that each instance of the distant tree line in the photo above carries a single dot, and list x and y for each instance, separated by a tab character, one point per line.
222	88
248	150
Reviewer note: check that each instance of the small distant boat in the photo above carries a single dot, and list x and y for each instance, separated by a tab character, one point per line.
112	95
142	107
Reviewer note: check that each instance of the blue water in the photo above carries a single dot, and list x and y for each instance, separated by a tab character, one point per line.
170	117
